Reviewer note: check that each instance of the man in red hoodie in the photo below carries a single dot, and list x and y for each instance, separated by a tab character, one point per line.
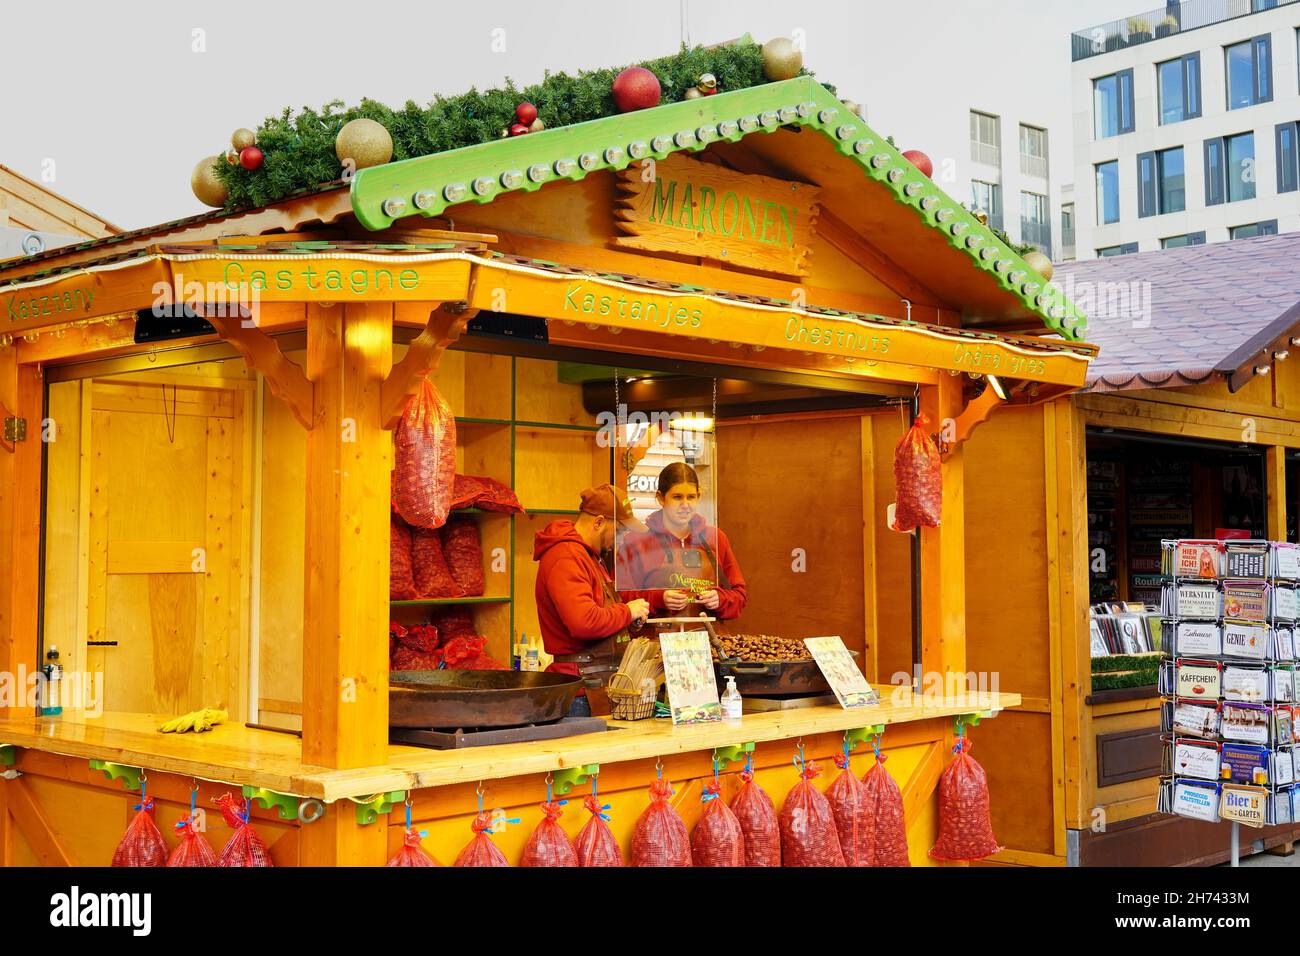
578	610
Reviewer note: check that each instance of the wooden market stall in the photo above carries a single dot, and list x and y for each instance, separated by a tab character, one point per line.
1190	423
210	525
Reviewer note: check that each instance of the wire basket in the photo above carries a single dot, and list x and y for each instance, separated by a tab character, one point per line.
630	702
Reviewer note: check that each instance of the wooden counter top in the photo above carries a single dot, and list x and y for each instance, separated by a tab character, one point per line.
232	753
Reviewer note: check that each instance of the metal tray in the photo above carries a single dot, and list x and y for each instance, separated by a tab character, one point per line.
454	699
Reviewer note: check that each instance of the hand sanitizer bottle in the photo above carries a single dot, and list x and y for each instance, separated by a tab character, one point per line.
732	705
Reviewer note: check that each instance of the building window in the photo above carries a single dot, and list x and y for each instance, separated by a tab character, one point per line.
1127	249
1067	230
1253	229
1179	88
1112	104
1250	72
1035	227
1230	169
1190	239
1288	157
987	196
985	139
1108	192
1033	151
1258	5
1161	182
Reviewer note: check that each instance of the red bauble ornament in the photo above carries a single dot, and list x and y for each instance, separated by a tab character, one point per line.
250	157
920	161
526	113
636	88
518	129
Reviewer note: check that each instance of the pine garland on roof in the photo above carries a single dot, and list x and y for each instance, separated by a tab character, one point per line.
299	147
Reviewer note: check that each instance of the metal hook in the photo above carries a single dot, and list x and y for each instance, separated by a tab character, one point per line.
659	768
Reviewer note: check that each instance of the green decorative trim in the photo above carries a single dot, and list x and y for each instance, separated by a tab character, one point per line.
861	735
1126	662
286	805
562	426
130	776
8	755
970	720
378	805
562	781
427	185
725	755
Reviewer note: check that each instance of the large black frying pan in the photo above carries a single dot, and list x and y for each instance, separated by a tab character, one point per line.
461	699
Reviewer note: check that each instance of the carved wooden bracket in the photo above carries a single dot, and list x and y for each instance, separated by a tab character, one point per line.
287	381
445	325
976	413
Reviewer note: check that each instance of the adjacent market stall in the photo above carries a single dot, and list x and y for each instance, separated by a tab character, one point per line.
206	524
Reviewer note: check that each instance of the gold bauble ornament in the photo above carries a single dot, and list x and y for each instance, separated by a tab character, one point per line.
707	82
208	188
232	157
781	59
365	142
692	93
854	108
981	215
536	126
1039	263
242	138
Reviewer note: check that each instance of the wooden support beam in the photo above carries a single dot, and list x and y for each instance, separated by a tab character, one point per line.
1275	467
26	814
349	457
286	380
446	323
21	389
943	549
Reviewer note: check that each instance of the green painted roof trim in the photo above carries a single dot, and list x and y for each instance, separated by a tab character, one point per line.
427	185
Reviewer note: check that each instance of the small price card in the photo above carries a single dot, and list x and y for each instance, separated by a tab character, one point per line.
841	672
688	672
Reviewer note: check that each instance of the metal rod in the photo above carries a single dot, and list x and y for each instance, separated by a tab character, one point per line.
1236	843
916	584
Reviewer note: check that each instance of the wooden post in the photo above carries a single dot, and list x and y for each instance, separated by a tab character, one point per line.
20	533
1275	467
943	550
349	457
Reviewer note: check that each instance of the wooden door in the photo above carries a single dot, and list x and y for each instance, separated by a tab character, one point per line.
168	481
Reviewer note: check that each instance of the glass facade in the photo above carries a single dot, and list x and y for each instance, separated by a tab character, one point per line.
1112	98
1107	192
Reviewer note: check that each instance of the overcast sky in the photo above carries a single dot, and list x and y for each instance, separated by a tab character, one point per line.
120	102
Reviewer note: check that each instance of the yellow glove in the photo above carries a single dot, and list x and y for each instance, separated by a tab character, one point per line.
196	721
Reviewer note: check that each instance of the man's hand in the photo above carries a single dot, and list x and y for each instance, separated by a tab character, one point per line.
710	599
676	600
640	609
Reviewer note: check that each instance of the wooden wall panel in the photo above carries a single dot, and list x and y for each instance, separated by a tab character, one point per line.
787	485
893	559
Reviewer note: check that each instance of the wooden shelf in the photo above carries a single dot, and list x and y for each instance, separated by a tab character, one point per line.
483	421
592	429
459	600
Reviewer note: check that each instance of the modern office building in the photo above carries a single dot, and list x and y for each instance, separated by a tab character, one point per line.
1185	126
1009	173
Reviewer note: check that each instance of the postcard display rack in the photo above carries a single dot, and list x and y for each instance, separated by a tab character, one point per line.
1229	707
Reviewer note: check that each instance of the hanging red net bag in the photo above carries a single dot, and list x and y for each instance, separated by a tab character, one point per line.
918	483
758	824
454	622
549	845
194	849
717	839
885	807
424	459
660	837
245	847
432	577
854	823
411	852
481	851
401	583
142	845
462	547
595	844
965	830
808	834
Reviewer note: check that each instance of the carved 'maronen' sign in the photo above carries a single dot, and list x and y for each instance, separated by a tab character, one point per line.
692	208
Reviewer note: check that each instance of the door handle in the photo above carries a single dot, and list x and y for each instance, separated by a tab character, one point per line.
101	643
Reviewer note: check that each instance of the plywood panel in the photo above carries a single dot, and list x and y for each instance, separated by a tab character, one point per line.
553	466
64	569
796	529
893	560
541	397
1015	750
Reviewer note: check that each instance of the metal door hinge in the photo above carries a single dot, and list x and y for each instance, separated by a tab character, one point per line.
15	429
